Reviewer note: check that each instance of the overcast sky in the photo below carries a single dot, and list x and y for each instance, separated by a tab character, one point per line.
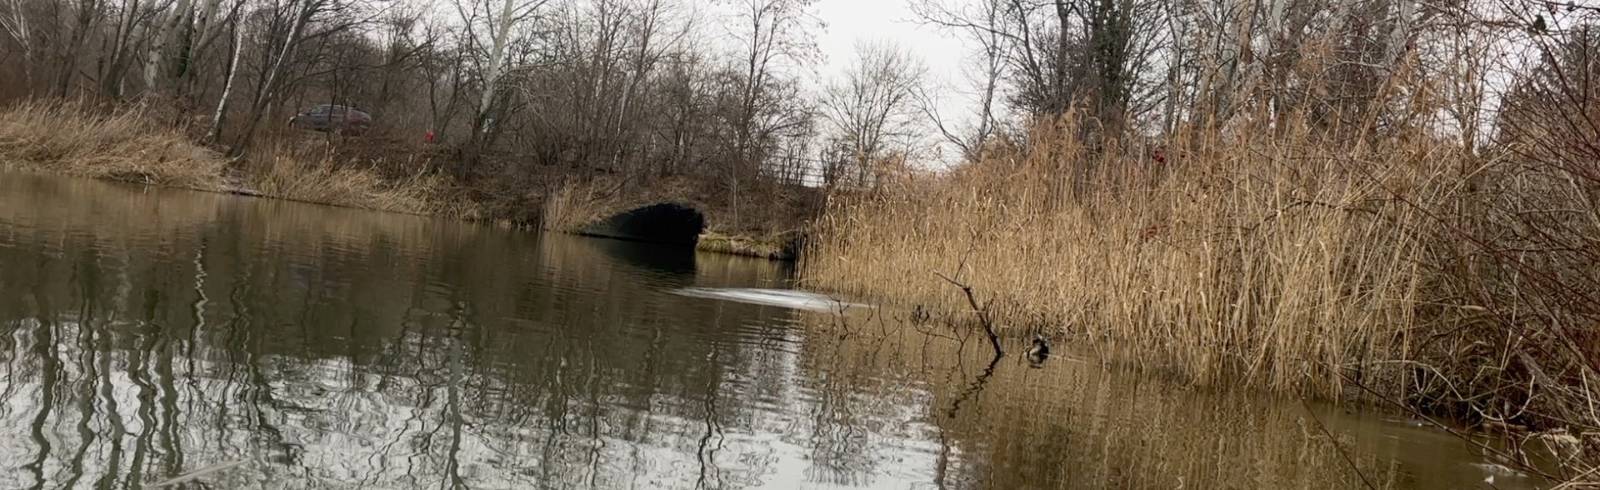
849	21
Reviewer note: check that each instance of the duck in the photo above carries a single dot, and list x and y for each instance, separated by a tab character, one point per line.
1038	350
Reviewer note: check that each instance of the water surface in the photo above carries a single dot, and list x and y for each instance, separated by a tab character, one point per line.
147	334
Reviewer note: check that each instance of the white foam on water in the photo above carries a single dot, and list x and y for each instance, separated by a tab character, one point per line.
787	298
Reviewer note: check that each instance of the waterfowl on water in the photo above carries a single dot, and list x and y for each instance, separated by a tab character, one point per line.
1039	350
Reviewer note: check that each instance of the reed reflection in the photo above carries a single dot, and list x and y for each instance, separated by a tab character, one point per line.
151	335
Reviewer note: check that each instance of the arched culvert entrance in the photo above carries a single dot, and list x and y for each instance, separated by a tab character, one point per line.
657	223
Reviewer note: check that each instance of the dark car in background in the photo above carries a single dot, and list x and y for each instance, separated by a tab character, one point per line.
333	118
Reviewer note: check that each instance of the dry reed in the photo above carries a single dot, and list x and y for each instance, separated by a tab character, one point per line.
123	145
1279	257
128	144
1265	257
571	205
767	247
311	175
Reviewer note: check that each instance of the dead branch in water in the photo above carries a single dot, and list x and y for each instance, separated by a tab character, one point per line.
981	311
972	298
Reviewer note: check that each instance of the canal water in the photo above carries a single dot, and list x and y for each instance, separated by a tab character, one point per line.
192	340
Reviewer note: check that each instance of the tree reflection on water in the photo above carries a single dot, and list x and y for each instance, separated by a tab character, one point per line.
149	334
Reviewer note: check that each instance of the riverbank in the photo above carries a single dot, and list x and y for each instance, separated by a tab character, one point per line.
1399	268
129	144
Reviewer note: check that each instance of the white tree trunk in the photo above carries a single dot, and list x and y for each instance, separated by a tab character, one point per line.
165	43
268	92
16	25
491	77
289	45
215	133
206	24
207	30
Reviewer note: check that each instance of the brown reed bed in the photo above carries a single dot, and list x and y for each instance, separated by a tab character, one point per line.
1278	257
311	174
123	145
1265	256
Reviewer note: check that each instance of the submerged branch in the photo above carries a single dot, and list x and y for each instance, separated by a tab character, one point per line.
981	311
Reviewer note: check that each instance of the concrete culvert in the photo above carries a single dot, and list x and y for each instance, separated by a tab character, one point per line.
657	223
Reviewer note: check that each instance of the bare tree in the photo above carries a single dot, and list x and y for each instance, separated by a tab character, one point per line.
131	31
517	90
160	64
871	109
282	53
444	71
490	29
772	33
69	52
981	25
1051	56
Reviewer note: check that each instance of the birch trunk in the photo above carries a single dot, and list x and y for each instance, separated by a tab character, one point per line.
491	77
206	24
269	87
157	66
215	133
16	25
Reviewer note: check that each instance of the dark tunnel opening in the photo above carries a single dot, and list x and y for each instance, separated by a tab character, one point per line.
666	223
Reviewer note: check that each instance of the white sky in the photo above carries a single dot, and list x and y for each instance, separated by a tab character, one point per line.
850	21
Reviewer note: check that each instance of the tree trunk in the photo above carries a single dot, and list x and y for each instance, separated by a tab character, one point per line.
87	11
215	133
158	65
121	58
17	26
268	91
491	77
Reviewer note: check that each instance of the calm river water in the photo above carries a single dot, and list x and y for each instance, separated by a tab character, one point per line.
230	342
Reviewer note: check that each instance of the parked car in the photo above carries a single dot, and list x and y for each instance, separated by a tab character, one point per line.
331	117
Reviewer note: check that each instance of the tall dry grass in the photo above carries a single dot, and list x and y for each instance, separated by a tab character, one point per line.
123	144
1395	267
1279	259
570	204
128	143
311	174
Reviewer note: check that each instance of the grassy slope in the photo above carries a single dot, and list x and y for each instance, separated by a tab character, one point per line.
126	145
